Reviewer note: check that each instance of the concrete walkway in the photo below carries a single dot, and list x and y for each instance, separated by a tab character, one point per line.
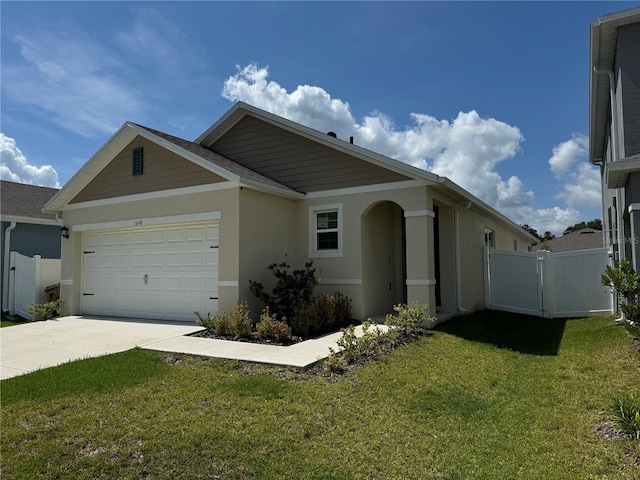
32	346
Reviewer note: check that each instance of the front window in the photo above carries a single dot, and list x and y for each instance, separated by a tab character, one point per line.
325	231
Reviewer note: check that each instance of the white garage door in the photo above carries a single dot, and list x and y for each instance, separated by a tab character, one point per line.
163	272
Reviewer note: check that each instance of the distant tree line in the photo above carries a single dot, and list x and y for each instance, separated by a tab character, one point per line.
596	224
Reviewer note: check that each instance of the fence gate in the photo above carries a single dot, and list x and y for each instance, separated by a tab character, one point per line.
28	277
548	284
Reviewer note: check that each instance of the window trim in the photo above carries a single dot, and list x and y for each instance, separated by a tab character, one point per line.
313	231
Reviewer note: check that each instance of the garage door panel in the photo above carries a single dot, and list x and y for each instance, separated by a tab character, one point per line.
138	259
155	259
138	238
107	239
180	264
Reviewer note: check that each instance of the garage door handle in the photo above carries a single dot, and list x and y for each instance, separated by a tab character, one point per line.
146	279
88	294
213	298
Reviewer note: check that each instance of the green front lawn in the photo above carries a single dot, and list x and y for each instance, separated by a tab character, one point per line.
5	322
490	395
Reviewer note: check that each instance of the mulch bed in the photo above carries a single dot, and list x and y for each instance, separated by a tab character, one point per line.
251	339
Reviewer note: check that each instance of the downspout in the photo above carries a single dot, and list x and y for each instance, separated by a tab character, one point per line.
5	273
456	226
615	157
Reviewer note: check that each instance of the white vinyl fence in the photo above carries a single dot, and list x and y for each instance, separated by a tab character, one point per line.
28	277
547	284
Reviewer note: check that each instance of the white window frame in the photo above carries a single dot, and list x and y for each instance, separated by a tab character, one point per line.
313	231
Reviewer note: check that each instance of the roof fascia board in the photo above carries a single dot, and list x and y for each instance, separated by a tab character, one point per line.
30	220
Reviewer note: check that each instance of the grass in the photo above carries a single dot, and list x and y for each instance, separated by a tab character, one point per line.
6	322
488	396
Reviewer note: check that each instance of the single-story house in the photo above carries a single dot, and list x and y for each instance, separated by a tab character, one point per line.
160	226
583	239
25	228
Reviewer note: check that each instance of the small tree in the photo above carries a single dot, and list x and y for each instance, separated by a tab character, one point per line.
292	292
624	281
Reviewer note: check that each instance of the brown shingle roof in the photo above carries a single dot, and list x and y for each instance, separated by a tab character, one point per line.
22	200
583	239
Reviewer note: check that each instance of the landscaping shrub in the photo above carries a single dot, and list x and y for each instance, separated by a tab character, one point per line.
241	324
626	413
219	324
375	341
292	291
46	311
409	319
270	328
624	281
292	300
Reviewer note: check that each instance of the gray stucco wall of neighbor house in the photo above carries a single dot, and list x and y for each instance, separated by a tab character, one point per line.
628	61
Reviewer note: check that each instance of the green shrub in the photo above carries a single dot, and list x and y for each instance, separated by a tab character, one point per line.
240	324
624	281
634	329
626	414
409	320
325	314
375	341
46	311
334	363
292	292
270	328
342	308
219	324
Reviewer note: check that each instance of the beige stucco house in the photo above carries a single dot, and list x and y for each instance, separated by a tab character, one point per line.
160	226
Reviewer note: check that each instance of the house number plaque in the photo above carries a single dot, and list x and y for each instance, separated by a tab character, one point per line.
137	223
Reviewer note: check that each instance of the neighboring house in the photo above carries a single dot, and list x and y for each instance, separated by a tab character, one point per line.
160	226
614	127
25	228
583	239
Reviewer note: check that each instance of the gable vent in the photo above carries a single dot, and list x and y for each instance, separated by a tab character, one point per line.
137	161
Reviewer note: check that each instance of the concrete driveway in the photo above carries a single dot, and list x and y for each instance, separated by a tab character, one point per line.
29	347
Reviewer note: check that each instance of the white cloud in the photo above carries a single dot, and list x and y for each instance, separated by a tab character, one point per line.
581	180
71	79
466	149
15	167
91	85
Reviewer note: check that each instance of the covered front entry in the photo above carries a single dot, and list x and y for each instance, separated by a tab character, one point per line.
383	258
160	272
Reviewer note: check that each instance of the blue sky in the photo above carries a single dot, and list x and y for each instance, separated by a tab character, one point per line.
492	95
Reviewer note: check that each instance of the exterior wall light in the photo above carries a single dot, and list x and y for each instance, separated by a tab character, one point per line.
64	231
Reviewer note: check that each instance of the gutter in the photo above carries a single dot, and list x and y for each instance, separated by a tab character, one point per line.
5	273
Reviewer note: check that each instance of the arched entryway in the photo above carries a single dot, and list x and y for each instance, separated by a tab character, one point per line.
383	258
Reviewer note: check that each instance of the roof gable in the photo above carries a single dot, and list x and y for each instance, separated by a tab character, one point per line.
297	161
234	119
221	167
19	201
